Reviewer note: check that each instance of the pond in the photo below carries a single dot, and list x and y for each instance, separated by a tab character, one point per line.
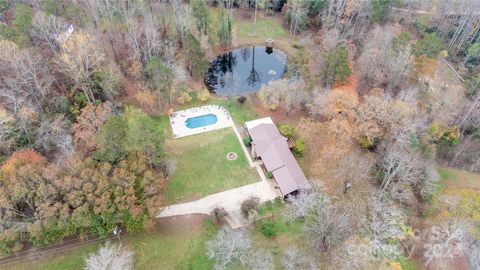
245	70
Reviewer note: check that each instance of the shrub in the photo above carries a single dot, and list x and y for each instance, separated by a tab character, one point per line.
473	85
269	174
287	131
473	56
10	241
184	97
299	148
297	45
268	228
247	141
250	205
476	135
219	213
204	95
447	137
365	142
241	99
80	100
402	40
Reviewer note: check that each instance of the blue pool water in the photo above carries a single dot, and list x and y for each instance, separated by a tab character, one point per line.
201	121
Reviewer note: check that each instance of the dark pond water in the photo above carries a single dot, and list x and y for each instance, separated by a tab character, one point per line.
244	70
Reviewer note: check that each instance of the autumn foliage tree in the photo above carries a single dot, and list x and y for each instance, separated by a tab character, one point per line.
88	124
87	194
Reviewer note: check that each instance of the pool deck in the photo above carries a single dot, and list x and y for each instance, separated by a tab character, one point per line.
180	129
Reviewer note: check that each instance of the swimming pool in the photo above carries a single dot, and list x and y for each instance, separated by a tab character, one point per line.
201	121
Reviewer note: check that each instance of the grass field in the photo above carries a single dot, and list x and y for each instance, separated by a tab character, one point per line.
266	27
289	234
170	244
202	167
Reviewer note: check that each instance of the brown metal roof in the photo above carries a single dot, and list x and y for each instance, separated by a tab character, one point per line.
273	149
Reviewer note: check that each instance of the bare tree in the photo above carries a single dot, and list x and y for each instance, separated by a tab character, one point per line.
450	239
103	14
472	253
381	64
333	13
328	225
7	131
134	29
398	70
182	19
80	57
405	170
301	204
461	19
356	167
294	259
24	75
331	39
228	246
110	257
260	260
297	13
46	28
53	134
386	223
152	41
290	94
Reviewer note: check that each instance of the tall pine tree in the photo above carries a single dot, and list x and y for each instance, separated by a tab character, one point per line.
336	66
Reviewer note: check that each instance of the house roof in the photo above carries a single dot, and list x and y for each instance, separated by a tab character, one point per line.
256	122
273	149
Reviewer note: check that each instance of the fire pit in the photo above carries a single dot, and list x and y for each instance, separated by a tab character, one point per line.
232	156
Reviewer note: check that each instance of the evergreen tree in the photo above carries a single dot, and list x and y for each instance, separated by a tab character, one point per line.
225	27
21	24
201	14
380	10
194	56
473	54
430	45
336	66
161	77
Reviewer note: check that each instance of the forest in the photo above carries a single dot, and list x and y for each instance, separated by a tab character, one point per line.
382	99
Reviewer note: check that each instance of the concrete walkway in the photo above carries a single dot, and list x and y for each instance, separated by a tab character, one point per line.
230	200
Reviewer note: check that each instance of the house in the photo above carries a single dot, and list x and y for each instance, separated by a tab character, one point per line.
272	148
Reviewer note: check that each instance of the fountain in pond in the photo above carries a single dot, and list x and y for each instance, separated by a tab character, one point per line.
244	71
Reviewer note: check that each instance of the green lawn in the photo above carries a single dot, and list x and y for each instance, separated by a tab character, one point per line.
180	247
289	234
202	167
266	27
